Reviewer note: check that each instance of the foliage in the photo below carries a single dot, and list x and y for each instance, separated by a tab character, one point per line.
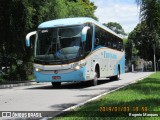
140	39
128	50
150	14
18	17
116	27
83	8
146	35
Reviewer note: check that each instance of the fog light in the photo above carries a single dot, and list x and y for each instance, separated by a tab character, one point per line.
37	69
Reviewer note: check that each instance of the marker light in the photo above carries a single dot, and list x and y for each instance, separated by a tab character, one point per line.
77	67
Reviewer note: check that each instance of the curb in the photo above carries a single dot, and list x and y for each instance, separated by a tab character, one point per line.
17	84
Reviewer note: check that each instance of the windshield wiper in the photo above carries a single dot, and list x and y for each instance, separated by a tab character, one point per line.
60	48
79	53
47	51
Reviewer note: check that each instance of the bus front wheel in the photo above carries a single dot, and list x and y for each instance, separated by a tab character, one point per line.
95	80
56	84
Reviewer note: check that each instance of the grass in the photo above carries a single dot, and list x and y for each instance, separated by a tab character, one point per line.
141	97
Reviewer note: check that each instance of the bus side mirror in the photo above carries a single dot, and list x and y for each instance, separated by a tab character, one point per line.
28	38
84	33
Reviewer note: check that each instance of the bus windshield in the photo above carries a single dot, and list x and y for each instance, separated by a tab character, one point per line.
58	44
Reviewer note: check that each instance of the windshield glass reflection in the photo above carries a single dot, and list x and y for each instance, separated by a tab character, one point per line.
58	44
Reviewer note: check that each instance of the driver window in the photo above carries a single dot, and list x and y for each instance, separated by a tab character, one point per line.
88	45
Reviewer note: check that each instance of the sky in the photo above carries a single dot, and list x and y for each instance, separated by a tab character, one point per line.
124	12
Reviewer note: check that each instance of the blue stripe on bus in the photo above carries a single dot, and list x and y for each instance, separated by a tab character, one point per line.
122	66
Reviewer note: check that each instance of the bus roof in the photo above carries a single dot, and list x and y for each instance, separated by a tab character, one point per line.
74	21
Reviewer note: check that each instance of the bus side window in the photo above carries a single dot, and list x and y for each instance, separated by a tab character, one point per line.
108	44
106	39
115	43
120	46
102	38
99	37
114	46
88	45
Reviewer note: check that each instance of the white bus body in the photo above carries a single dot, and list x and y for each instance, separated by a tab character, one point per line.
76	49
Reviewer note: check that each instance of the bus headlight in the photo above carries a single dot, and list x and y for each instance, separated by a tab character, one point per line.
37	69
77	67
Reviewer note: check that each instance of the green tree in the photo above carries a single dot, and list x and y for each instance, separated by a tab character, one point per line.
81	8
116	27
15	20
140	42
150	13
18	17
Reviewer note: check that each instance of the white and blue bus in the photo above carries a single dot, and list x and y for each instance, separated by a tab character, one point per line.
75	50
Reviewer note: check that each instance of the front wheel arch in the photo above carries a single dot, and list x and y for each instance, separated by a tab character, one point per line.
97	69
96	76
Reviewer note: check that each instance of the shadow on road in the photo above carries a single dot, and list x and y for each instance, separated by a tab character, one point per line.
79	85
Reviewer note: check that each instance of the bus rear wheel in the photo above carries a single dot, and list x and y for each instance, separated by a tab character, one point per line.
117	77
56	84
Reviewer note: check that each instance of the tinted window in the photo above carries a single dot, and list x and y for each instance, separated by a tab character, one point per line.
107	39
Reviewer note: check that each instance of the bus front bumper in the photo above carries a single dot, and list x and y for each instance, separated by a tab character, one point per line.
75	76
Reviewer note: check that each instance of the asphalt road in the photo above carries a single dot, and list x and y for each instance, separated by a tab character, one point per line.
42	97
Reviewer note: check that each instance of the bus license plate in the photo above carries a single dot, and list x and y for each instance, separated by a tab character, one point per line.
56	77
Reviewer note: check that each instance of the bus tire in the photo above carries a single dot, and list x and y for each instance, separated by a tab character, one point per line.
56	84
116	77
95	80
